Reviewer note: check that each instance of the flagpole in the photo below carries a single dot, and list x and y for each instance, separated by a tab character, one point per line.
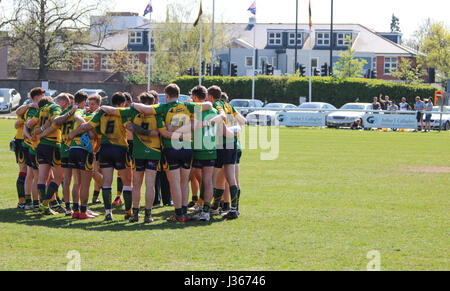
200	62
212	46
310	64
254	61
149	52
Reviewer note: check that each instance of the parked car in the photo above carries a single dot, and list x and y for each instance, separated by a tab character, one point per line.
267	115
105	98
316	106
436	118
181	98
9	99
345	116
244	105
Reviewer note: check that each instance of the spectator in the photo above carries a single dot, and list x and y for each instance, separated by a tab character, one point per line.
375	104
385	102
428	109
419	107
392	106
404	106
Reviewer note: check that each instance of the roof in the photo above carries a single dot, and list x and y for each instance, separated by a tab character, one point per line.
114	42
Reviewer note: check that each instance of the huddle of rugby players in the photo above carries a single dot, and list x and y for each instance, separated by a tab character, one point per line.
73	139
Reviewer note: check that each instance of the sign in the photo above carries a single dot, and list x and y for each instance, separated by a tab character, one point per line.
394	120
298	118
437	95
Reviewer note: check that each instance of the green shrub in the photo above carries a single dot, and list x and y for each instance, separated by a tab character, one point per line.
324	89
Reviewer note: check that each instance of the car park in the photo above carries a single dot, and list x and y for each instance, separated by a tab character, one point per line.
347	115
267	115
436	118
317	106
9	99
246	106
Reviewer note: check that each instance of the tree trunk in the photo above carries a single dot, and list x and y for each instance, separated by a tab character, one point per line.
43	53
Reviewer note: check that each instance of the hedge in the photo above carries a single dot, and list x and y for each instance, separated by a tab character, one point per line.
324	89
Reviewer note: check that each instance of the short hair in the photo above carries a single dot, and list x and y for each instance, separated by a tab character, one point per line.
224	97
80	97
36	92
172	90
62	97
215	92
146	98
199	91
118	98
71	97
153	93
128	96
97	98
44	101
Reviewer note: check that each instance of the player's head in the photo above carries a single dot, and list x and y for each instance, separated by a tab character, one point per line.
224	97
80	99
417	99
172	92
146	98
36	94
155	95
63	101
198	94
129	99
94	101
214	93
118	99
71	98
44	101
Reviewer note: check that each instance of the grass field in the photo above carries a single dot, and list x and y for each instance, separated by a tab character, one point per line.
330	198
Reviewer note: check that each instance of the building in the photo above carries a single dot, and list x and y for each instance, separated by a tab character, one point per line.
274	43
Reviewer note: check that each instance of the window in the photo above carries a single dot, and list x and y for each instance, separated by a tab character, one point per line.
390	64
323	38
135	37
133	62
292	39
88	63
106	63
374	63
249	62
275	38
341	38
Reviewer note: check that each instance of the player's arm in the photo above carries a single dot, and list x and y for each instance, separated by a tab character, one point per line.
110	110
141	131
144	109
59	120
173	135
45	130
19	123
80	130
23	109
240	119
26	132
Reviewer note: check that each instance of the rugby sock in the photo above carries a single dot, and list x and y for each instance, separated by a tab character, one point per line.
206	207
179	212
67	205
201	201
226	206
51	190
106	193
194	198
76	207
96	194
135	211
238	198
234	196
83	209
35	203
218	193
28	199
128	197
119	187
20	184
148	212
41	190
184	208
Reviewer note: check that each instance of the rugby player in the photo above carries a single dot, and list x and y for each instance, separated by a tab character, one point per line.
177	148
19	152
113	152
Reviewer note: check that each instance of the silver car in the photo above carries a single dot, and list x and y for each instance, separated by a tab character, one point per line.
316	106
9	99
347	115
436	118
244	105
267	114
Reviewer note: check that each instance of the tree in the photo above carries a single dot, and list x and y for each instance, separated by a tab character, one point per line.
177	42
395	24
49	29
435	50
347	66
408	73
420	34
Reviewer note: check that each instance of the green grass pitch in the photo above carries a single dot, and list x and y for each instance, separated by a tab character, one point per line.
330	198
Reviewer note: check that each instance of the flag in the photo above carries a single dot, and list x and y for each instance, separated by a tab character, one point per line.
200	12
252	8
149	8
310	19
